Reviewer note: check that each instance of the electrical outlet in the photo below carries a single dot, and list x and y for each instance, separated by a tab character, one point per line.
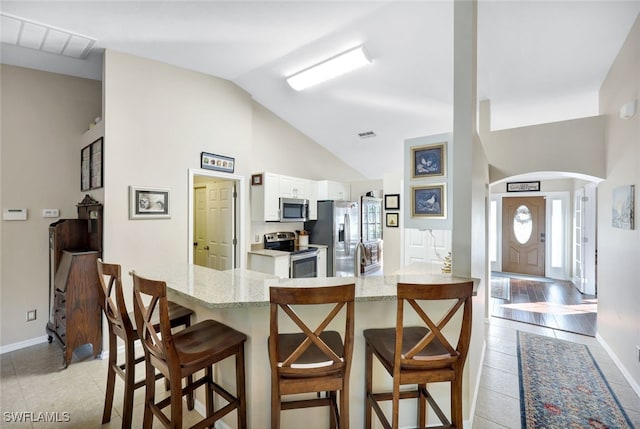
257	239
31	315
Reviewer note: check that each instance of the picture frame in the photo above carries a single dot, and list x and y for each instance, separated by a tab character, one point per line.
392	220
533	186
91	165
428	161
149	203
623	207
211	161
428	201
256	179
392	202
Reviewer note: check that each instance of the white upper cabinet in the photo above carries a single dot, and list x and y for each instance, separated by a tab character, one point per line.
265	199
294	187
330	190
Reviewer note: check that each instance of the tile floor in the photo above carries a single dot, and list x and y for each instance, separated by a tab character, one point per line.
31	380
498	404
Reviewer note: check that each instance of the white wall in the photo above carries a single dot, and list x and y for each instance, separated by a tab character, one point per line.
575	146
43	118
618	249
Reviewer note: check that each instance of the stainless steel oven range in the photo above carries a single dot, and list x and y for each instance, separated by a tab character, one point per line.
303	261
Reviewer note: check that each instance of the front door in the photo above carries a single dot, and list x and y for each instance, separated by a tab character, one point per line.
523	235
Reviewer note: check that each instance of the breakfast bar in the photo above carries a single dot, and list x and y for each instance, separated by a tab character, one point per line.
240	299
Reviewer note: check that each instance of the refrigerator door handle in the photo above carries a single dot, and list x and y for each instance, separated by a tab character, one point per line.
347	233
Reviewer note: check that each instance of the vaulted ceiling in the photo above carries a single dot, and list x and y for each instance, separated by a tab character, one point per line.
538	61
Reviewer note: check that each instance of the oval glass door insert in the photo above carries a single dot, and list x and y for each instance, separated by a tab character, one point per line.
522	224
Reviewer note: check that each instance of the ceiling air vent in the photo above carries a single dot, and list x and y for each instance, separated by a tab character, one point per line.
367	134
29	34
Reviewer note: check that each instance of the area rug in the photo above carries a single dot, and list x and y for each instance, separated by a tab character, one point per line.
501	289
561	386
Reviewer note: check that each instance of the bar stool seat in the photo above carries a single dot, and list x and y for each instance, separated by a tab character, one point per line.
182	354
122	325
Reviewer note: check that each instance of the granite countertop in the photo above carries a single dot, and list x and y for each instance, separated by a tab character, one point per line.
244	288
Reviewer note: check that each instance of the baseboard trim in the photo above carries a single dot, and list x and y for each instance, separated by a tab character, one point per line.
22	344
627	375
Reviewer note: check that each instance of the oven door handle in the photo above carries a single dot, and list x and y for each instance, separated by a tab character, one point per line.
301	256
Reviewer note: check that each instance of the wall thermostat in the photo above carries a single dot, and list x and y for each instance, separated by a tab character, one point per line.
14	214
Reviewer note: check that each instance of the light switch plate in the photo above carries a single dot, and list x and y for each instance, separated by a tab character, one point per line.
50	213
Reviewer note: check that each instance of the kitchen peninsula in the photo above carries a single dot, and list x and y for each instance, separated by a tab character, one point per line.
240	298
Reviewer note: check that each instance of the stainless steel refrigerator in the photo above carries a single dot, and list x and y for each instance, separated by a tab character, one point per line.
337	227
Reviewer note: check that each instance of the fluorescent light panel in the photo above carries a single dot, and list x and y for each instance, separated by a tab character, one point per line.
328	69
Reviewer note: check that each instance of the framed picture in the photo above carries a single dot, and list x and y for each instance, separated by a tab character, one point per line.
256	179
392	220
428	161
91	166
428	201
523	186
392	202
211	161
149	203
623	209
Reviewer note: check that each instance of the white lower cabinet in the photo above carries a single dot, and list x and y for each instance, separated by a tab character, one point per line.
322	262
268	264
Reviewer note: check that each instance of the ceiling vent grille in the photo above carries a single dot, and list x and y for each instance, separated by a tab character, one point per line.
366	134
28	34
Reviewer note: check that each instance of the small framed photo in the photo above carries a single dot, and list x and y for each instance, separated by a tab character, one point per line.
149	203
428	161
91	166
392	202
256	179
428	201
211	161
392	220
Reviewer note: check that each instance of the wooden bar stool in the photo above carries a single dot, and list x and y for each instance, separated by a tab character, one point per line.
122	325
417	355
315	360
183	353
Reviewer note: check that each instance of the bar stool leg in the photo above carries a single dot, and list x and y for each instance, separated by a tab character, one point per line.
129	381
240	389
111	379
368	375
149	395
422	406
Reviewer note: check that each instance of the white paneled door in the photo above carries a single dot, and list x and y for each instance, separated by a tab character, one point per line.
220	224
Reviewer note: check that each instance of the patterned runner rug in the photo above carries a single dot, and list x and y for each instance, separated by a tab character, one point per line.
561	386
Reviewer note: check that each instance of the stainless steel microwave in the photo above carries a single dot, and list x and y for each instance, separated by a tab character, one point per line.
294	210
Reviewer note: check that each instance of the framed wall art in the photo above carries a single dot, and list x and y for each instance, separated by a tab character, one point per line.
428	161
392	202
149	203
523	186
256	179
428	201
622	205
212	161
392	220
91	166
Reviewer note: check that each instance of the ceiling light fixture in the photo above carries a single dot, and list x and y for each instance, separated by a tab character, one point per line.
328	69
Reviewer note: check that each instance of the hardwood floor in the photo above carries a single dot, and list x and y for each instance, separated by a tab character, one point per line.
551	303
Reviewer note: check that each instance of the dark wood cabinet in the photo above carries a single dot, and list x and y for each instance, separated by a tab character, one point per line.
75	316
